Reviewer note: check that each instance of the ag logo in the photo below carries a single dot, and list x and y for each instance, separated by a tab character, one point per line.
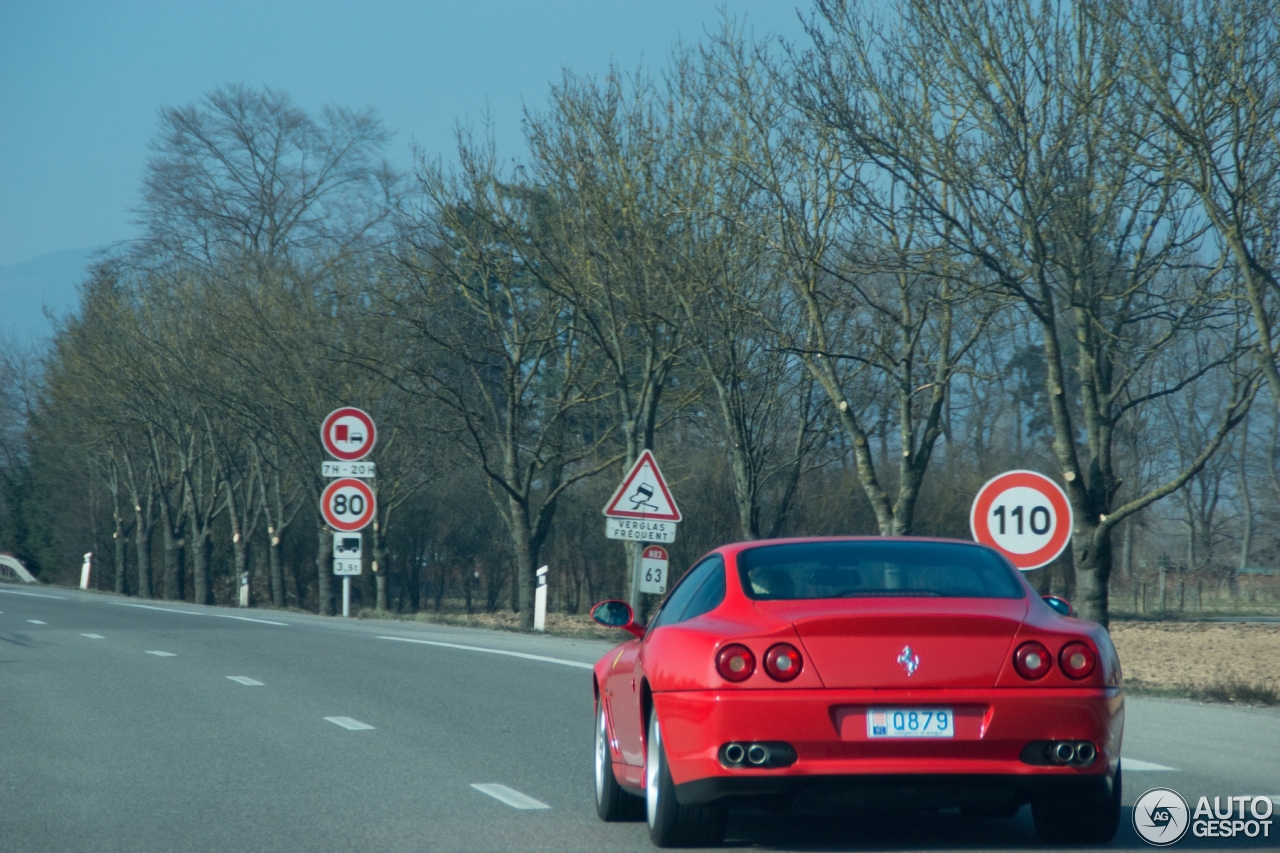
1161	816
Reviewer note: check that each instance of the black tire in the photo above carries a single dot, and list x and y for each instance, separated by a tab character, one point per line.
1081	819
613	802
671	824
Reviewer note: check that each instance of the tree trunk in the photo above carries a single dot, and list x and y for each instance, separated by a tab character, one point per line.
276	568
142	545
380	568
173	545
1091	550
527	548
240	555
119	537
201	545
324	571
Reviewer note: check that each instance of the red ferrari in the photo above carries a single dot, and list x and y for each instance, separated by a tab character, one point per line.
890	673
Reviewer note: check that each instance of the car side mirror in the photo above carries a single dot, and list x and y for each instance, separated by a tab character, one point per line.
617	614
1059	604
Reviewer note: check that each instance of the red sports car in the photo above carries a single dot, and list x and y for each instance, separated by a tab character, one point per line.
878	672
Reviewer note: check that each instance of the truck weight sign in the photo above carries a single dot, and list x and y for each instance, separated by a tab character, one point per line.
348	505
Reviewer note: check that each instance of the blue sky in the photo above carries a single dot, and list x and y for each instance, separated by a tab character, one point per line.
81	82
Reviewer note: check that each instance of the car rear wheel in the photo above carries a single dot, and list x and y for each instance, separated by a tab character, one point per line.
1080	819
671	824
613	803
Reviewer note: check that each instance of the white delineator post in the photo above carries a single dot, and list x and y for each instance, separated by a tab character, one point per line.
84	570
540	602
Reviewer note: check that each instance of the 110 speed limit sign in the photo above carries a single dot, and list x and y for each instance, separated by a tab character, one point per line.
347	504
1023	515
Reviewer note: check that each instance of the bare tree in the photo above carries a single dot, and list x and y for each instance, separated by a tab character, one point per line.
1001	123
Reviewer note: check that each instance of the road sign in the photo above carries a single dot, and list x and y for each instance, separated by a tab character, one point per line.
348	434
347	505
345	567
631	530
365	470
348	545
643	494
653	570
1023	515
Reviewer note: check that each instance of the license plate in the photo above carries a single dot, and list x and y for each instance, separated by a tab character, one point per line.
910	722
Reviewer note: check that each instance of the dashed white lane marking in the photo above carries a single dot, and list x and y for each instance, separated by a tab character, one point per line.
94	636
245	680
1136	765
543	658
37	622
510	796
33	594
198	613
163	654
348	723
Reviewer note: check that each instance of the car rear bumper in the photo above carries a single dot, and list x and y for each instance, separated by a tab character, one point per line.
827	730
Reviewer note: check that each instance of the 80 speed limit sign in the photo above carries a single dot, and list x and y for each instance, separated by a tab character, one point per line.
1023	515
347	504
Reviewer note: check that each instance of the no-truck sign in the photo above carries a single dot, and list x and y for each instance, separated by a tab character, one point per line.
347	504
1023	515
348	434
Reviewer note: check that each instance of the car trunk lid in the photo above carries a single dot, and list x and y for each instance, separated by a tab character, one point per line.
904	642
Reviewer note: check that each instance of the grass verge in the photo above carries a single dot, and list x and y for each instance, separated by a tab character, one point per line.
1225	692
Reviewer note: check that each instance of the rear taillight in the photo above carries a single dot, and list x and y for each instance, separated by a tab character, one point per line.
735	662
782	662
1077	660
1032	661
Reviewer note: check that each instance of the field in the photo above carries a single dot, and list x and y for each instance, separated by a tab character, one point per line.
1226	662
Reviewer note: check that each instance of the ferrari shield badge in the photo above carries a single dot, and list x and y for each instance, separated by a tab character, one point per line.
909	660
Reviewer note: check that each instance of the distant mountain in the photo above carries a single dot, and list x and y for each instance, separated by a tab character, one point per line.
46	281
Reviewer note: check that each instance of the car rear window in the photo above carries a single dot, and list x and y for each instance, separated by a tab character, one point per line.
868	568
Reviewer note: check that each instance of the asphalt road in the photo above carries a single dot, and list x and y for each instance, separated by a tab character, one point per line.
147	726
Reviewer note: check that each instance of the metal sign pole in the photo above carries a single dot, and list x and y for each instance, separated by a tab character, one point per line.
346	595
636	569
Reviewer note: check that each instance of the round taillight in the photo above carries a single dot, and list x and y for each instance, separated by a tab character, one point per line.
735	662
1077	660
783	662
1032	661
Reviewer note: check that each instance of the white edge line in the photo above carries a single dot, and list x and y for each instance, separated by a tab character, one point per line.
1142	766
543	658
163	654
510	796
33	594
350	724
198	613
246	681
94	636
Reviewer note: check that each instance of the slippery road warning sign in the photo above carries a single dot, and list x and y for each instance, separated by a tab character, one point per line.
347	505
348	434
1023	515
643	494
642	509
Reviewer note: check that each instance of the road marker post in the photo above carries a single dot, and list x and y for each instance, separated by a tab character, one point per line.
540	601
84	570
